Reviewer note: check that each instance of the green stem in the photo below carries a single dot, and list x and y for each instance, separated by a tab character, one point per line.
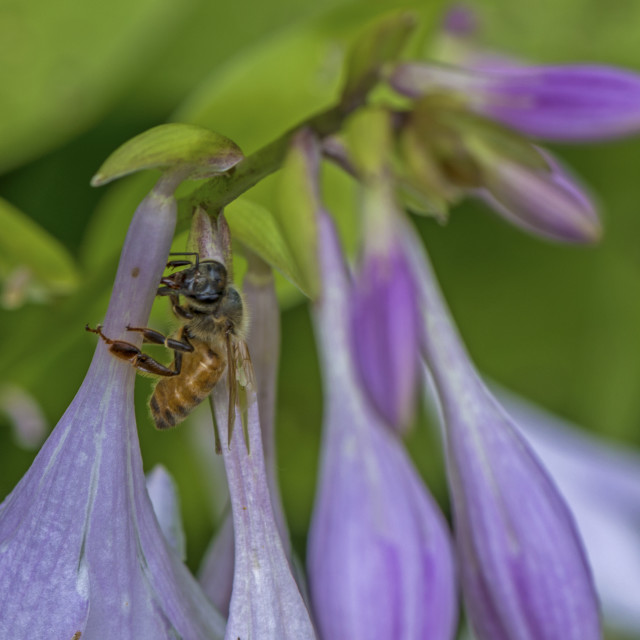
220	190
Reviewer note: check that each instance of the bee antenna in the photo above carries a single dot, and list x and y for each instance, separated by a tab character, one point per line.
187	253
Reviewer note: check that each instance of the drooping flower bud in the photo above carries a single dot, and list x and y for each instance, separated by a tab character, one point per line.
601	483
81	550
379	558
523	568
443	144
384	315
565	102
265	600
550	203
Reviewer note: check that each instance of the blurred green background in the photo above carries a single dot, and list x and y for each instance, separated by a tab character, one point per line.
560	325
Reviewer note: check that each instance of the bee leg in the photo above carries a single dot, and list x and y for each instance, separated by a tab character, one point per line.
178	310
141	361
155	337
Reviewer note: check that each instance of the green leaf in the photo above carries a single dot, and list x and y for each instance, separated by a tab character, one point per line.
33	265
63	64
298	208
380	43
255	226
201	152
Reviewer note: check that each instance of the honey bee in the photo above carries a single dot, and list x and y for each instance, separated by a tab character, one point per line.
212	337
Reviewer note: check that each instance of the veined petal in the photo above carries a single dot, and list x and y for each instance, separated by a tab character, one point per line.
384	328
564	102
216	573
601	483
379	558
265	602
166	505
80	547
552	203
523	569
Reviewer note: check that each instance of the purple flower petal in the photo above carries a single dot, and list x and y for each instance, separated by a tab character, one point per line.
551	204
80	547
265	601
523	569
216	574
385	335
601	483
563	103
166	505
379	557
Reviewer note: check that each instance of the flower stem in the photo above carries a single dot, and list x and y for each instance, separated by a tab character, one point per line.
226	187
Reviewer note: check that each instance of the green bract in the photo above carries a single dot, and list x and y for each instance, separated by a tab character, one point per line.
298	205
369	139
255	226
201	152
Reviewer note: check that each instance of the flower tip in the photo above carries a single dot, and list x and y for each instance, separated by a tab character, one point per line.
385	336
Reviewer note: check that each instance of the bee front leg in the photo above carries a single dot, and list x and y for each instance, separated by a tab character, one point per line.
155	337
141	361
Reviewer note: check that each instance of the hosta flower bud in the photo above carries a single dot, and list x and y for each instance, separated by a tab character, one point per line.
601	483
379	559
81	551
523	568
566	102
550	203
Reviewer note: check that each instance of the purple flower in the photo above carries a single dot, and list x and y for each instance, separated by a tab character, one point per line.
550	203
564	103
216	573
379	557
265	600
523	569
80	547
384	316
601	483
166	505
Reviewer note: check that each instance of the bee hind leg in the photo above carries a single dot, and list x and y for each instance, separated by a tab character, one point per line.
141	361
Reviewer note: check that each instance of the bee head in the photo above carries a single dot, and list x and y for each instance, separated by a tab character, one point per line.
206	282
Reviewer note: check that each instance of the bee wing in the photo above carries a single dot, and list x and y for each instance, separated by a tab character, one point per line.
232	382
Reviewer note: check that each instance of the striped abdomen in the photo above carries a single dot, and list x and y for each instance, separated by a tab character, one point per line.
174	398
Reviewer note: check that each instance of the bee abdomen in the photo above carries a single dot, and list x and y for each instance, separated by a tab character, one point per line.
174	398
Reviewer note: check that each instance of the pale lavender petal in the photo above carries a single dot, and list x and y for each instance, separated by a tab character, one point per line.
80	547
385	332
563	103
601	483
166	505
216	573
552	203
523	569
265	600
264	346
379	558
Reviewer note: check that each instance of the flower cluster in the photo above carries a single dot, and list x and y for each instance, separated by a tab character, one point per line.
90	549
